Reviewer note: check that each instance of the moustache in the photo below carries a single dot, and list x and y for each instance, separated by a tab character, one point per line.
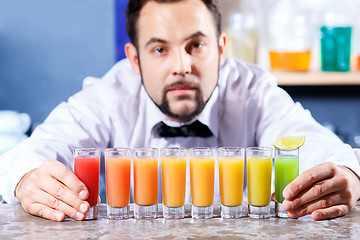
181	84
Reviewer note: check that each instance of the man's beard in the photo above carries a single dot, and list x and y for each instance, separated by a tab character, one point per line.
186	114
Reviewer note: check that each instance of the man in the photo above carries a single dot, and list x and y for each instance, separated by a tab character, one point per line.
180	74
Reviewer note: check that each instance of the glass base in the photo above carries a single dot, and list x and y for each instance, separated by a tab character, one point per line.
259	212
144	212
279	211
231	212
201	212
173	212
117	213
92	213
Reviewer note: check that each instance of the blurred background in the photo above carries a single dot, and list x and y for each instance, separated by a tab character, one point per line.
47	47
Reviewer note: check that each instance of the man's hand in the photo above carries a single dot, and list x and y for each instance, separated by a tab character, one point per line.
53	191
324	191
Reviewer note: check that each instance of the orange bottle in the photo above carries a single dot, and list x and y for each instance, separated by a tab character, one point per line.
291	61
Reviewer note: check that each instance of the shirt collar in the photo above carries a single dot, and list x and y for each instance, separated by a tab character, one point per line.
209	115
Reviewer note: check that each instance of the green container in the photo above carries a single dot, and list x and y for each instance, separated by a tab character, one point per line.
335	48
286	170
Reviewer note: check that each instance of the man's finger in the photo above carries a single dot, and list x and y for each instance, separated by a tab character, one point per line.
331	212
308	178
317	191
325	202
66	176
54	203
41	210
61	193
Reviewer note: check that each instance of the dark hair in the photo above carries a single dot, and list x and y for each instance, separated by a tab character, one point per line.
134	7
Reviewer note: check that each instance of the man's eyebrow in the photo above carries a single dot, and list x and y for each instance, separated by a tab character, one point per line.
155	40
159	40
195	35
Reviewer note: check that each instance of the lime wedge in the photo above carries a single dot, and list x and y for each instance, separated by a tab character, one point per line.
289	143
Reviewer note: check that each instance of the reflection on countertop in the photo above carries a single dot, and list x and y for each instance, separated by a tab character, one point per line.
15	223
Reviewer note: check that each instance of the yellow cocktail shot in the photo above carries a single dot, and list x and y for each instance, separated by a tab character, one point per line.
259	168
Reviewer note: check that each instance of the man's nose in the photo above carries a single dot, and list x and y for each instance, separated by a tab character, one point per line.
182	64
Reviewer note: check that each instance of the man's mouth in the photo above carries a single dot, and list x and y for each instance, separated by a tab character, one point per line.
181	90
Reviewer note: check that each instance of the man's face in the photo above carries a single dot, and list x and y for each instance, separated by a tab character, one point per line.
178	56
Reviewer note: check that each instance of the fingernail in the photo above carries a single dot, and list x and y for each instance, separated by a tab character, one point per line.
59	216
83	207
287	194
79	215
287	205
316	215
83	194
293	214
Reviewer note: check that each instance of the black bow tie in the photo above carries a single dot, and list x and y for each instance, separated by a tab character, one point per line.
195	129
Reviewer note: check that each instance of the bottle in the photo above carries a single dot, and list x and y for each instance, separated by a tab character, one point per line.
289	34
242	32
357	39
336	26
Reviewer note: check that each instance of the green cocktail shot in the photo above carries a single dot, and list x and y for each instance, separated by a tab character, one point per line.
286	170
286	167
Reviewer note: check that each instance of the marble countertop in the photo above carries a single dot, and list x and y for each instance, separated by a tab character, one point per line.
15	223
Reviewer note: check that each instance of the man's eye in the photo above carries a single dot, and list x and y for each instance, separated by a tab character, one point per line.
159	50
198	45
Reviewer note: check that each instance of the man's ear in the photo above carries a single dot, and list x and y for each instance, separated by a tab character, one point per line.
222	45
132	54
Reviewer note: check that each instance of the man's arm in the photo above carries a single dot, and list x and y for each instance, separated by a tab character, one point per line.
49	188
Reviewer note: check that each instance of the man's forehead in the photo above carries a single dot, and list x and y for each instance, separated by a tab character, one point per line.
173	18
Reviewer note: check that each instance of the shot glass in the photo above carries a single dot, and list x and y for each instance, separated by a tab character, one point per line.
86	168
259	168
202	167
118	170
231	177
173	172
286	170
145	182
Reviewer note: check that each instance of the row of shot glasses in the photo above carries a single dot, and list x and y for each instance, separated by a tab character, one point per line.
173	172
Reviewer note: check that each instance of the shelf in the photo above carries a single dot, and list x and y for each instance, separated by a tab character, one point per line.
317	78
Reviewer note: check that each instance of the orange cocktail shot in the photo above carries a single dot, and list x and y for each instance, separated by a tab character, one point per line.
173	175
231	171
202	167
118	169
145	182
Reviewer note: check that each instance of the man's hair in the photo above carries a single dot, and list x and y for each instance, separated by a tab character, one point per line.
134	7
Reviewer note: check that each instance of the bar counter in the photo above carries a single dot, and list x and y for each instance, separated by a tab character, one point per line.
15	223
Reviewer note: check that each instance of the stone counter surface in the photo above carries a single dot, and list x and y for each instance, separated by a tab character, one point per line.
15	223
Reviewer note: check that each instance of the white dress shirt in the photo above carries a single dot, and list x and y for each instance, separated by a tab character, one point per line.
246	109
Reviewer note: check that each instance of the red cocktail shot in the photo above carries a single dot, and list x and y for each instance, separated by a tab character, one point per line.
86	168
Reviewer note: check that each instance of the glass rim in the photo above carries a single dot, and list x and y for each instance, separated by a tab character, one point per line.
87	150
260	148
202	149
230	148
287	150
145	149
117	149
173	149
